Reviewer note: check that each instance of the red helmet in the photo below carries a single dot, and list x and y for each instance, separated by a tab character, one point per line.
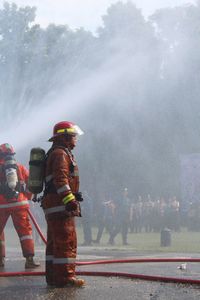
65	127
6	149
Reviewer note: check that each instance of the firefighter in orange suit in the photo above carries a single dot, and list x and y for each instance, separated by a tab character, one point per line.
61	205
2	249
14	202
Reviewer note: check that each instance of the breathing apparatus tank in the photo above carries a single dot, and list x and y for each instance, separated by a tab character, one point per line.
36	170
11	172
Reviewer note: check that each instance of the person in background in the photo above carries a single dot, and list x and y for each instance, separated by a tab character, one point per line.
61	205
105	217
122	218
14	202
174	214
86	211
2	250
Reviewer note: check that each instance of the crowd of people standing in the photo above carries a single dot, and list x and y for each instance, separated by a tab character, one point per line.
127	215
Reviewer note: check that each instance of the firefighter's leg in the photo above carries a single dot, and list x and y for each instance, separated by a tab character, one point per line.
124	231
64	249
2	250
24	230
115	231
101	227
4	215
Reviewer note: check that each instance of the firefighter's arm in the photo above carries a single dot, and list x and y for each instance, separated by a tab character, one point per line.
61	173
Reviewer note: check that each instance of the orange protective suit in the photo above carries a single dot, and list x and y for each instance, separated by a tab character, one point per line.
18	210
61	178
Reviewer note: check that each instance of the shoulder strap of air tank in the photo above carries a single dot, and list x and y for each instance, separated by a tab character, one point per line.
58	147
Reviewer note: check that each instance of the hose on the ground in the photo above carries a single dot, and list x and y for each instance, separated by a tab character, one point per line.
121	274
115	274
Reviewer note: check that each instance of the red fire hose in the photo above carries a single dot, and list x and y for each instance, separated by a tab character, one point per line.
120	274
37	226
139	260
116	274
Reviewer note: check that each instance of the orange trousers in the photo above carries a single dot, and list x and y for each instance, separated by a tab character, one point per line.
2	245
23	227
61	250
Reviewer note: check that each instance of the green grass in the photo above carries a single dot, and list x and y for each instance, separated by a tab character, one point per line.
181	242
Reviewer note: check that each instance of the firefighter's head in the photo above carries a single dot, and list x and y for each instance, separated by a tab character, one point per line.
66	132
5	150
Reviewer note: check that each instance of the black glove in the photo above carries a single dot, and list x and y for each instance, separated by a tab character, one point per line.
79	196
72	205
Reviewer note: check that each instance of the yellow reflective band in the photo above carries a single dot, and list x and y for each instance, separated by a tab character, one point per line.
71	130
60	130
68	198
68	130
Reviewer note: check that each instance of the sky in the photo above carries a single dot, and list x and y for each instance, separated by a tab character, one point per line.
86	13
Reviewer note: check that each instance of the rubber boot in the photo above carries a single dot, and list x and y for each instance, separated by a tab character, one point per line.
30	263
75	282
2	262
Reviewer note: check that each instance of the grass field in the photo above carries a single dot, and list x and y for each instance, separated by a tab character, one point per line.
181	242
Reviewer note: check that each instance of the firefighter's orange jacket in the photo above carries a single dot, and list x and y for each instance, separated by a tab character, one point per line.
62	173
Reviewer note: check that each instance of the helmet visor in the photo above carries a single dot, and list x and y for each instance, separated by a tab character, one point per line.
78	130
